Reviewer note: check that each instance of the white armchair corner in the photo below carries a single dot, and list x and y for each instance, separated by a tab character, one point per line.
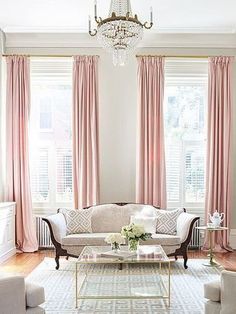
220	294
20	297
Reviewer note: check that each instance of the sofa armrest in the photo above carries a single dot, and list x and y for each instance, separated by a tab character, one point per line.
185	223
12	295
228	287
57	227
212	291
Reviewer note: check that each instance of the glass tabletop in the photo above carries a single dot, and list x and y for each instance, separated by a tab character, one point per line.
104	254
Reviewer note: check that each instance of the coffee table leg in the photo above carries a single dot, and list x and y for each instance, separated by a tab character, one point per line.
76	286
169	285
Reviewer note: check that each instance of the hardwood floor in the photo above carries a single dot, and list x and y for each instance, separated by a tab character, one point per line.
24	263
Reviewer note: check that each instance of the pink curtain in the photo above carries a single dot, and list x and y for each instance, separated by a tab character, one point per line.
151	172
219	144
85	131
18	178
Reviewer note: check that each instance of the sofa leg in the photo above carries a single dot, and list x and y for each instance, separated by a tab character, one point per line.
176	257
57	261
120	266
185	256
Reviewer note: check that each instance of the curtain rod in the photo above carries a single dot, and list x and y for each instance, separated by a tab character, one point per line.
173	56
46	56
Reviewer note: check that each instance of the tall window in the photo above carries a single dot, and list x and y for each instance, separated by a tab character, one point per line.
185	133
50	133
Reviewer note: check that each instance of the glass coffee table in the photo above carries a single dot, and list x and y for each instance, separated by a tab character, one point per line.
127	283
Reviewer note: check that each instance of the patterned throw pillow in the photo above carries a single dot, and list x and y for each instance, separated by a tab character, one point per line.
78	221
167	220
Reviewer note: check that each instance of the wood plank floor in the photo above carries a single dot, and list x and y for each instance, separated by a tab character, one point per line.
24	263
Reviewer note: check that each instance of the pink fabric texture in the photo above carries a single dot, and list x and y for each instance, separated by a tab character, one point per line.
85	131
18	177
219	144
151	171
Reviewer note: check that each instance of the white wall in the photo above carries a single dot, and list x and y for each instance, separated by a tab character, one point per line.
2	44
118	103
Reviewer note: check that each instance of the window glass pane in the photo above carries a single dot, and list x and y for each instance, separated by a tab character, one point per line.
185	116
51	133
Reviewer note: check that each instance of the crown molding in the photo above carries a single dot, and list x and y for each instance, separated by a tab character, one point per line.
150	40
155	29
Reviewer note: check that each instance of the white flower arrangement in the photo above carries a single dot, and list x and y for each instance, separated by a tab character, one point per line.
115	238
135	232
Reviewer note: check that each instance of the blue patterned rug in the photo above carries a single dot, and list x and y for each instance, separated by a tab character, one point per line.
186	287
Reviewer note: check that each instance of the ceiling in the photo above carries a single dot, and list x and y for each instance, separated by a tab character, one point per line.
170	16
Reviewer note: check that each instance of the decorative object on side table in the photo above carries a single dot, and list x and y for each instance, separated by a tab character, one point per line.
216	219
115	239
133	233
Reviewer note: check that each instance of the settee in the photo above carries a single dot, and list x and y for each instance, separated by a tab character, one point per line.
110	218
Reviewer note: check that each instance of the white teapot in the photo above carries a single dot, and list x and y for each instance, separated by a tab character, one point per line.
216	218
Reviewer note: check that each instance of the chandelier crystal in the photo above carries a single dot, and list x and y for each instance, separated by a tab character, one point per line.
121	31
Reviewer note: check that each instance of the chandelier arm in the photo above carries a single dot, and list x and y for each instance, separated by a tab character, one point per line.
145	25
93	33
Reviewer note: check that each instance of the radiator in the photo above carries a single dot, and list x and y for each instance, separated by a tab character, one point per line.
43	234
196	240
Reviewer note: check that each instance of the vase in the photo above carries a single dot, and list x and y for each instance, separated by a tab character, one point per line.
115	247
133	245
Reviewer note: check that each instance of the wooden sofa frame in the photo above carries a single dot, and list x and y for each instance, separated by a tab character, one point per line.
182	251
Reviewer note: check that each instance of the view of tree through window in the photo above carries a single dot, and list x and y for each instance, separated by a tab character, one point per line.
51	134
185	108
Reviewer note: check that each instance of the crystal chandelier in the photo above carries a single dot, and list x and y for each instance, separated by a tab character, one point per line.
121	31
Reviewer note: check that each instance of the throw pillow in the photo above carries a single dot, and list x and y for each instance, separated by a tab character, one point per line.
148	211
167	220
78	221
149	223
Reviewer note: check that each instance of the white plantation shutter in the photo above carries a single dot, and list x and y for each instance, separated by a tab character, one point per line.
40	176
64	175
185	132
173	161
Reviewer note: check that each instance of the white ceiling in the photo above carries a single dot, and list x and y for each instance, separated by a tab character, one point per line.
173	16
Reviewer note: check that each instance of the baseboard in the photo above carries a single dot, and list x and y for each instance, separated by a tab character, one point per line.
232	238
7	255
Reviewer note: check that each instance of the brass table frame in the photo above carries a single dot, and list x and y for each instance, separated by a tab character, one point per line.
83	261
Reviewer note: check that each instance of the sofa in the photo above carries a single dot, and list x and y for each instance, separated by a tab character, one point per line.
110	218
220	294
18	296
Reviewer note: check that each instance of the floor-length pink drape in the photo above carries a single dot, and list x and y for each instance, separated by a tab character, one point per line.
151	172
85	131
18	177
219	144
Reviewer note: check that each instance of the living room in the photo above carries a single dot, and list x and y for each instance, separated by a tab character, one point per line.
117	156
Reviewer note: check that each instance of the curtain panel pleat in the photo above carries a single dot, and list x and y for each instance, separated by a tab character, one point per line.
219	145
151	169
85	137
17	155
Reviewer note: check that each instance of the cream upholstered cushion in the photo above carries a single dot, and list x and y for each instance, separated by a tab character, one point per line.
212	291
112	217
212	307
78	220
98	239
83	239
149	223
35	310
167	220
228	292
34	294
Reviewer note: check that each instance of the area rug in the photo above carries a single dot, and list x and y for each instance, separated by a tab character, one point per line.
186	288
